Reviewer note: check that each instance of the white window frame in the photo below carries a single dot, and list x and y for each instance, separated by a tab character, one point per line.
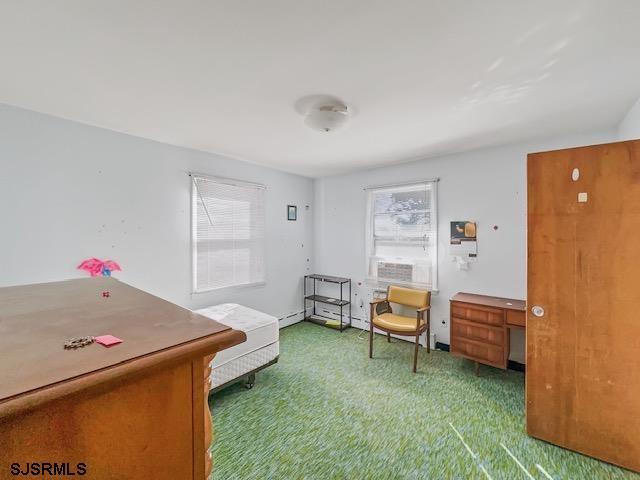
369	247
195	198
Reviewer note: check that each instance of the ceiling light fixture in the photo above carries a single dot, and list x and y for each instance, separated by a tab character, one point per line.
323	113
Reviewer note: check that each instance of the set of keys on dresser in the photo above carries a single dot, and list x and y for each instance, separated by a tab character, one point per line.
78	342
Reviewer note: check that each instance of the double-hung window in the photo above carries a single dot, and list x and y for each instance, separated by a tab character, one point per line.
402	235
228	233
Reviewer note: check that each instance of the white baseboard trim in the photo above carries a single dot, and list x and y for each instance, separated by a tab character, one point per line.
296	317
291	318
356	322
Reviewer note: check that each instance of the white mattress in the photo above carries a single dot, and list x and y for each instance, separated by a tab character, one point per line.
260	348
240	366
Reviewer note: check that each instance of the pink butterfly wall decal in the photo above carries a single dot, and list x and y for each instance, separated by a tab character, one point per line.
96	267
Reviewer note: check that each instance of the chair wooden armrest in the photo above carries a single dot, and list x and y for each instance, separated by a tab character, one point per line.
420	314
379	306
379	300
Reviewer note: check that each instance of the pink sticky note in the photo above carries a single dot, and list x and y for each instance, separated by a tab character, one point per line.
108	340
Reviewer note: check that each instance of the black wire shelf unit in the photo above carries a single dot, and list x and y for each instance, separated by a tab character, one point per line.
313	295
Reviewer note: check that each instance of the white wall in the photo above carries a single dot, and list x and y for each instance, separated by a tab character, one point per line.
629	128
487	186
70	191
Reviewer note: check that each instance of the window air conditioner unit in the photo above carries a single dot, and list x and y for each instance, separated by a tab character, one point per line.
400	272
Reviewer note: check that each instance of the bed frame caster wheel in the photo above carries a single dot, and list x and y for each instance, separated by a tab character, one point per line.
250	382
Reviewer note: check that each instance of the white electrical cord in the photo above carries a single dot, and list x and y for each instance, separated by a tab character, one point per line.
364	330
366	318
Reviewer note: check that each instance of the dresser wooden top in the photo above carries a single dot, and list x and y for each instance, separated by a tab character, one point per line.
36	320
486	300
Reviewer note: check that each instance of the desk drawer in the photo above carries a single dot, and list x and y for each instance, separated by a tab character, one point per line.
516	317
478	351
476	313
474	331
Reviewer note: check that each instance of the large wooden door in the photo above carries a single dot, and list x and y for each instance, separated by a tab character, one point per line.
583	351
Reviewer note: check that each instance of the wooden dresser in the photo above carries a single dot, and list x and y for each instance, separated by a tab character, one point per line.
480	327
134	410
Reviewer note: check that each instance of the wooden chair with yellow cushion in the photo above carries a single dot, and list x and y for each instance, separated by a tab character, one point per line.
383	318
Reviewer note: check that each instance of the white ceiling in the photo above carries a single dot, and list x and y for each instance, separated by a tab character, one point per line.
425	77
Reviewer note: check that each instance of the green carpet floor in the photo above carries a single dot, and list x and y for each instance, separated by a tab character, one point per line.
326	411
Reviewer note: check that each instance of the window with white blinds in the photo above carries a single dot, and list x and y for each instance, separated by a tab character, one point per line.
402	235
228	233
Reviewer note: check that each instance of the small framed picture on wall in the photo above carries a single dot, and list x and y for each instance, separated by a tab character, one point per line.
292	212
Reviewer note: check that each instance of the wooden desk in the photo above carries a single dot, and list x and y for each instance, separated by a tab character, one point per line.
135	410
479	327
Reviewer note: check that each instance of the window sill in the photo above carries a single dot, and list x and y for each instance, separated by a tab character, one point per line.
229	287
377	284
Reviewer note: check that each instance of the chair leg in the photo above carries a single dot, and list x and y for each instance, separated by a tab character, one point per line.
428	336
388	337
415	354
370	339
